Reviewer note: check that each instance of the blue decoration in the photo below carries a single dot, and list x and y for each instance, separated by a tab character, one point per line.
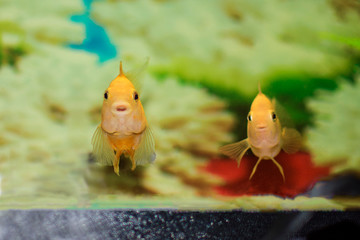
96	39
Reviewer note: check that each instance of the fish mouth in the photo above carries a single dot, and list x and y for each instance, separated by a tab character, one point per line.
120	108
261	128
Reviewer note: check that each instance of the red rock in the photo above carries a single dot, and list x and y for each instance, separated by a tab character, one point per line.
300	175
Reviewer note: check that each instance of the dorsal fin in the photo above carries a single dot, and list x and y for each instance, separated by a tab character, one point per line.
259	87
121	69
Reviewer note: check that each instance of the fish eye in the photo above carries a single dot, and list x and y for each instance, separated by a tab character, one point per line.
249	117
273	116
106	95
136	96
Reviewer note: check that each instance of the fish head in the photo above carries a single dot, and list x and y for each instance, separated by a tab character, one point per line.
121	103
263	123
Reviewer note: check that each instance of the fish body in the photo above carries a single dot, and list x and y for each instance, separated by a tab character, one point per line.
124	128
266	137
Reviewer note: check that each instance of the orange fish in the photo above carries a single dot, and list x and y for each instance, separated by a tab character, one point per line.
266	137
123	128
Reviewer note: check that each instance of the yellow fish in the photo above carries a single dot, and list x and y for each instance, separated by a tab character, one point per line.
124	128
266	137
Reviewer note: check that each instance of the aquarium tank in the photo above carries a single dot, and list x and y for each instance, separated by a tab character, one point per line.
199	65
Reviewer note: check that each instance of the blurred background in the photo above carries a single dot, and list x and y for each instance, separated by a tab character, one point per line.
206	59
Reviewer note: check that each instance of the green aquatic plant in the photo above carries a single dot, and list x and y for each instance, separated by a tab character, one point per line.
240	42
352	42
293	91
335	136
10	55
12	43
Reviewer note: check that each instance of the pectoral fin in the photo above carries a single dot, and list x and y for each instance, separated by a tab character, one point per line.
102	149
291	140
145	152
235	150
